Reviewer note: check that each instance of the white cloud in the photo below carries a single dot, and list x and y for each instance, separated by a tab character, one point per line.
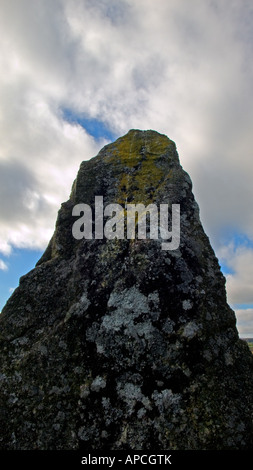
238	259
3	265
239	283
244	322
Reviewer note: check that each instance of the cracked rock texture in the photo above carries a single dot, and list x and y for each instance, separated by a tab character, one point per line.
117	344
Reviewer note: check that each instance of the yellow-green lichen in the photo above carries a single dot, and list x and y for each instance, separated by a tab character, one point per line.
136	161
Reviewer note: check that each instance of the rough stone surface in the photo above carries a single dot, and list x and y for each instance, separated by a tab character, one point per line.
116	344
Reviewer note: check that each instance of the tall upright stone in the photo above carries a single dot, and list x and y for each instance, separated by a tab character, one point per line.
116	343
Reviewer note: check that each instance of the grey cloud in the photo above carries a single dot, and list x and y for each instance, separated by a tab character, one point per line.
15	182
117	12
37	32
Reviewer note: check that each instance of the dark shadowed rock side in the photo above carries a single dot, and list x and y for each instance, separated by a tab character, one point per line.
117	344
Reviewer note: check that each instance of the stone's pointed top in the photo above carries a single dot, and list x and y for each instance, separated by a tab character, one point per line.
139	140
141	166
144	132
116	344
146	136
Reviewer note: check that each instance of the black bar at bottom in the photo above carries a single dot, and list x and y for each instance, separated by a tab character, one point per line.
124	459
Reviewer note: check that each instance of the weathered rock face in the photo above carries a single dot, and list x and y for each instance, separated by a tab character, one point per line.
117	344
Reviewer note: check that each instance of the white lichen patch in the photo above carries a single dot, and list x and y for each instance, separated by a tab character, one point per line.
187	304
166	399
129	300
131	394
128	305
190	330
98	384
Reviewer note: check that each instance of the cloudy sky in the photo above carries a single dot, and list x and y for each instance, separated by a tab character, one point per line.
76	74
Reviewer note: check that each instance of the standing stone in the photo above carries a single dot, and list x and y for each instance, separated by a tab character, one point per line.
118	344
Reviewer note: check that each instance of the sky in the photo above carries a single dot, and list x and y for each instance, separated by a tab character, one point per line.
77	74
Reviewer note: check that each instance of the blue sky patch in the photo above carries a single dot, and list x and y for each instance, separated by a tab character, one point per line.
94	127
20	262
242	306
238	239
226	269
